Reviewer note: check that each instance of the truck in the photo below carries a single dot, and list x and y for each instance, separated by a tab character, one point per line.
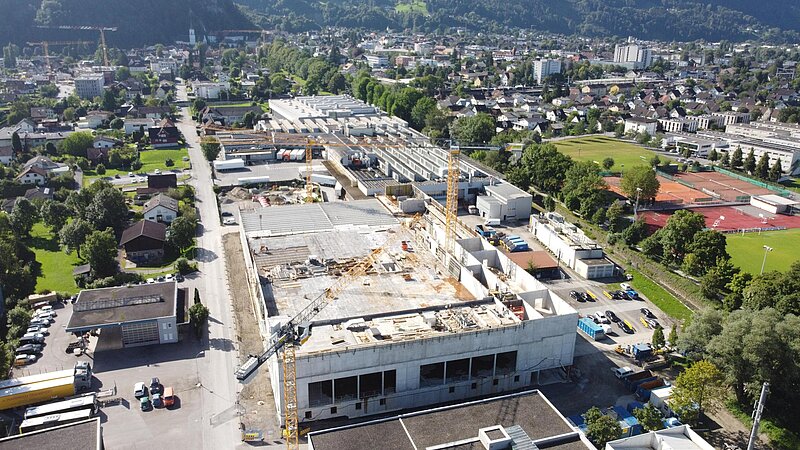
593	330
44	387
323	180
637	376
229	164
622	372
485	230
635	385
244	181
642	351
644	389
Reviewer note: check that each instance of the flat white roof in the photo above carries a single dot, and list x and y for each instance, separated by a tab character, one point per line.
773	199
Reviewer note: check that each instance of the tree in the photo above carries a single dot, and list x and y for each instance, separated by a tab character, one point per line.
643	138
210	147
736	158
583	188
762	168
19	316
100	169
76	144
608	163
107	209
23	216
477	129
117	124
198	105
725	161
603	429
750	162
544	166
619	130
74	234
705	325
702	385
673	335
198	316
181	233
100	251
196	296
337	83
650	417
248	120
709	246
775	171
182	266
713	156
16	143
614	216
679	233
640	177
421	110
658	340
109	101
169	162
55	215
655	161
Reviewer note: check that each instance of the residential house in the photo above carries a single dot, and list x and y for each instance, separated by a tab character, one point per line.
6	154
94	119
164	89
161	208
159	183
164	135
209	90
134	125
641	125
227	115
149	112
32	175
105	142
143	242
37	193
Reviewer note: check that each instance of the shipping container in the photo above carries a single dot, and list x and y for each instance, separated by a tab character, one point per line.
323	180
591	329
229	164
243	181
637	376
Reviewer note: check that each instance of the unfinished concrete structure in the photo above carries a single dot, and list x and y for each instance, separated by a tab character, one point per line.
423	326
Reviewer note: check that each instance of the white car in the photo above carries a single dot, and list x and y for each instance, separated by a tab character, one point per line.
151	280
34	335
139	390
601	317
38	329
625	286
229	221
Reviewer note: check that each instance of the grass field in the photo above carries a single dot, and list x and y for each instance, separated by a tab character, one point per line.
412	6
151	160
597	148
660	297
747	251
56	265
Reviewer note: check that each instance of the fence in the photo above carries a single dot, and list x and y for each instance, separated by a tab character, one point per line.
780	191
676	180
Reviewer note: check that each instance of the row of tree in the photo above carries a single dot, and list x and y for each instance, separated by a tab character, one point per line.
760	169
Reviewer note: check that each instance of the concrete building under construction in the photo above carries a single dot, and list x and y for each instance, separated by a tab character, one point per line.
422	326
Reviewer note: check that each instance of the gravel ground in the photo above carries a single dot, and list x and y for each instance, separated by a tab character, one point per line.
256	397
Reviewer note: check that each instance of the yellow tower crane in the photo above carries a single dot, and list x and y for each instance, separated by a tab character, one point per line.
101	29
46	48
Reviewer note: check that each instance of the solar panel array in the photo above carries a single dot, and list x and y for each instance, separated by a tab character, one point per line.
106	303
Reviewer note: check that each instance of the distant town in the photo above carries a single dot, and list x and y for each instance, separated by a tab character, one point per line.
345	239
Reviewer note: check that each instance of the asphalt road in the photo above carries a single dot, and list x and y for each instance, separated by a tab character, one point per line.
219	387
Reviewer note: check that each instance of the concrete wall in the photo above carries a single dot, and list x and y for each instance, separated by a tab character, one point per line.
167	330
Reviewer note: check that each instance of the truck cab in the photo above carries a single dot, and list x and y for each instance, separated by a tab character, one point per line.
485	231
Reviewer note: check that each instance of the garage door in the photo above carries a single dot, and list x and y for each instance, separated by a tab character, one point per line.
140	334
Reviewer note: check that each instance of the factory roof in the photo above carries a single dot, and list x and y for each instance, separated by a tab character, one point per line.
507	191
96	308
316	217
84	435
526	418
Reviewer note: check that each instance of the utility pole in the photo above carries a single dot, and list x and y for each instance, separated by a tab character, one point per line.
767	249
757	410
636	206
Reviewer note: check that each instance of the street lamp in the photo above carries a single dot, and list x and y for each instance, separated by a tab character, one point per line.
767	249
196	368
636	205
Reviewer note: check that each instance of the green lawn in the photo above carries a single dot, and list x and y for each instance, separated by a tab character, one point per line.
412	6
747	251
597	148
151	160
56	265
660	297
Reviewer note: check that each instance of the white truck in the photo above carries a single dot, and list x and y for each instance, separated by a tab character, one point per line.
229	164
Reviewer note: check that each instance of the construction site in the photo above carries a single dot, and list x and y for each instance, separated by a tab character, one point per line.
404	322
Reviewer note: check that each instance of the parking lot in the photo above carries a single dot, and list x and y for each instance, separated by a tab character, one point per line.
124	424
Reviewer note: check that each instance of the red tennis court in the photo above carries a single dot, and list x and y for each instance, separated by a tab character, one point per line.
730	218
722	186
670	193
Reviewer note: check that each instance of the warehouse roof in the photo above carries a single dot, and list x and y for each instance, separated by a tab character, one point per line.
526	417
96	308
84	435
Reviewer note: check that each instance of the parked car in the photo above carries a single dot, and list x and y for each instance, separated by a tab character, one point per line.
170	277
23	359
653	323
38	329
601	318
625	286
151	280
39	322
46	308
229	221
34	335
144	403
139	390
155	386
31	340
647	313
227	214
611	316
573	294
158	401
169	397
587	297
624	327
29	349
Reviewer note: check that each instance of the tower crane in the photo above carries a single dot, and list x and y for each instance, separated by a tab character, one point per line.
45	48
101	29
294	332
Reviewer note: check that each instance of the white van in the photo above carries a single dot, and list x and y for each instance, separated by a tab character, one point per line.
492	222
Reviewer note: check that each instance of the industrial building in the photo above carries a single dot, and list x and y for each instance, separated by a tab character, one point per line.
86	434
89	85
505	202
571	246
140	314
680	437
526	420
422	326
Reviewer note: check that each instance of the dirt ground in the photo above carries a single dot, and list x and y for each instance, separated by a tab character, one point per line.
256	397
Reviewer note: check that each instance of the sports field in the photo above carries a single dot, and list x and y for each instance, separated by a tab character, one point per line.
597	148
747	251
